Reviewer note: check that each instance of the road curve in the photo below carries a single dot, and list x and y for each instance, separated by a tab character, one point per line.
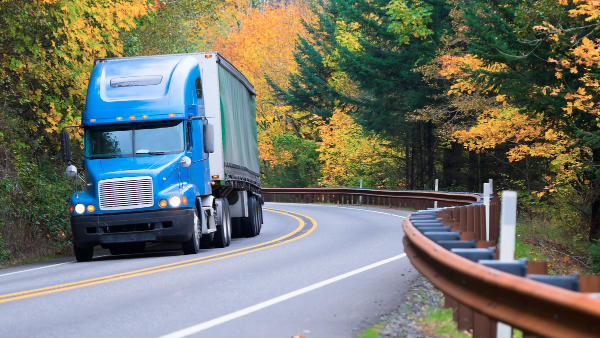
315	270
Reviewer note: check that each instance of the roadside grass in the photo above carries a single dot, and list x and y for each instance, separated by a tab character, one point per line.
371	332
438	323
539	241
29	260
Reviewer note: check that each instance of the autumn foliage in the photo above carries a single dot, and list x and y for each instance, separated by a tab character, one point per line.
47	51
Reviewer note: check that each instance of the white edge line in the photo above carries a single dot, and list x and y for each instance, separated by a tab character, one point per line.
237	314
42	267
49	266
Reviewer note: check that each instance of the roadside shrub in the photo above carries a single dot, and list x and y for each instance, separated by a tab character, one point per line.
34	195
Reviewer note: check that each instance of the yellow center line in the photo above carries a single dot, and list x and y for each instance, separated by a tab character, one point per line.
171	266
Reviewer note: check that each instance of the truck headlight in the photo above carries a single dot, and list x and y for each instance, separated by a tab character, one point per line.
175	201
79	208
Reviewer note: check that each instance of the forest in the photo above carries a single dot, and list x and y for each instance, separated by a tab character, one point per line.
393	93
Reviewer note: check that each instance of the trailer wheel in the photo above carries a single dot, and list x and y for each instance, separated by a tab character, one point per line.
192	245
260	217
207	240
228	218
223	234
83	254
250	223
236	227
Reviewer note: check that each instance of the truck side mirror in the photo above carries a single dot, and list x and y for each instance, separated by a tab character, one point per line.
71	171
65	146
209	138
185	162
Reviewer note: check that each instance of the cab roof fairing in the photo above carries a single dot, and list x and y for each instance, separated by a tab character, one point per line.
175	94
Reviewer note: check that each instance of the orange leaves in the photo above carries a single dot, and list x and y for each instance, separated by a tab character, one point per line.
589	8
260	42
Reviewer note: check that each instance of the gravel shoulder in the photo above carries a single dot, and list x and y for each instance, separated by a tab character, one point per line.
421	298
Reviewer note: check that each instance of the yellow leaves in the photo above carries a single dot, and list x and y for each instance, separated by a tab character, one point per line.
347	151
501	126
558	75
347	35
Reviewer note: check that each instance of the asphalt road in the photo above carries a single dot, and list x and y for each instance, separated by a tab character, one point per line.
315	270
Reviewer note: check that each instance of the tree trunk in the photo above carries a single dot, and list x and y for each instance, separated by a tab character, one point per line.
595	221
430	150
407	164
420	145
472	179
451	165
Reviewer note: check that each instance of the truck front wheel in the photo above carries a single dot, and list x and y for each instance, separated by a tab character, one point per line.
192	245
83	254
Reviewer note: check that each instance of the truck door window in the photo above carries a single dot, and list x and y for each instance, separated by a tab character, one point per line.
198	87
189	136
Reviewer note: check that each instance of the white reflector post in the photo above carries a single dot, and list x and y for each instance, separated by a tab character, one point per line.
360	197
486	202
436	189
491	186
508	226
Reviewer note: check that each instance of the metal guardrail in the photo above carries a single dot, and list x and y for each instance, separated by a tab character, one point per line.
418	200
479	295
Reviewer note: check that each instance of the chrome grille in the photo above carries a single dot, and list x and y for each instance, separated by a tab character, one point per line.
126	193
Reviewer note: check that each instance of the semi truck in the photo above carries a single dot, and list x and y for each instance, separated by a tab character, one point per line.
170	155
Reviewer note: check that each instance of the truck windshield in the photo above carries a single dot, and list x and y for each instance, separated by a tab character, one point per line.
141	139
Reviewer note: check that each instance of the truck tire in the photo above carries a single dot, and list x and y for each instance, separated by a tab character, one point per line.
83	254
236	227
260	217
207	240
250	223
223	234
127	248
228	225
192	245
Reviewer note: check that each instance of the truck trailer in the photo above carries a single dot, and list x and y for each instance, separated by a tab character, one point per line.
170	155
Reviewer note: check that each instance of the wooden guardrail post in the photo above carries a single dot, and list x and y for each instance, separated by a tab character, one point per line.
465	318
484	229
470	219
463	218
483	326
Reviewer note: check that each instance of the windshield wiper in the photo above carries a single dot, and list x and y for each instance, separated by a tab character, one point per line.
102	157
144	152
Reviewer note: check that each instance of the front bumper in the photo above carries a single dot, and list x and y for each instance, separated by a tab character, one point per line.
169	225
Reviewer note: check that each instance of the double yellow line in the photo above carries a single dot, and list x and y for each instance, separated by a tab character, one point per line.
171	266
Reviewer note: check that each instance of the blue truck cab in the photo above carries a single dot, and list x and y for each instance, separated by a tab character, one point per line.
147	150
